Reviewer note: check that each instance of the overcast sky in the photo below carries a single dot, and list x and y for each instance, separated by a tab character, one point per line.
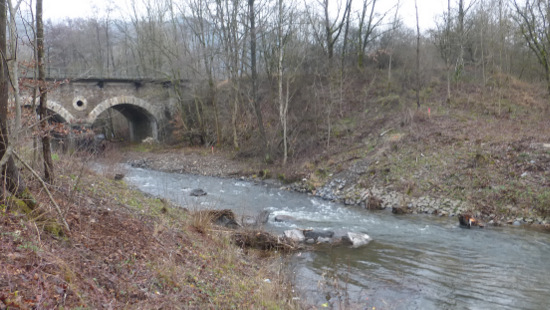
60	9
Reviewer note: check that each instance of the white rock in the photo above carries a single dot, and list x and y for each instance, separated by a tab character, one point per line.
149	140
357	239
295	235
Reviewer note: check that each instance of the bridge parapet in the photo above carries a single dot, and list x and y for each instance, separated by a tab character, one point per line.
55	73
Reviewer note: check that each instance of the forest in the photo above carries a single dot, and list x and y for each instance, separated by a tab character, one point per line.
277	77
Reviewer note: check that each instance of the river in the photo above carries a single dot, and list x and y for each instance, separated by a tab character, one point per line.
413	262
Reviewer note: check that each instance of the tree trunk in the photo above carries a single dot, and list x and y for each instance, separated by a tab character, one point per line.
213	98
283	104
328	32
46	147
417	56
13	182
234	123
447	47
14	74
257	108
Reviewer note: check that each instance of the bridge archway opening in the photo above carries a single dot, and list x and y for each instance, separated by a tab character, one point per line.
126	121
54	118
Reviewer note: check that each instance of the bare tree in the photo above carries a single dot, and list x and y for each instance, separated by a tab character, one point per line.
10	174
443	37
254	69
533	19
203	32
232	38
46	146
14	68
331	27
367	25
417	55
394	27
282	98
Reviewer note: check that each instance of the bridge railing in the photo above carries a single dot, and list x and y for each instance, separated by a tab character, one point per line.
65	73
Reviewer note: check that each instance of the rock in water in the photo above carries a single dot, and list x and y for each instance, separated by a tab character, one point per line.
284	218
399	210
315	235
119	176
198	192
324	240
356	239
263	217
295	235
252	221
374	203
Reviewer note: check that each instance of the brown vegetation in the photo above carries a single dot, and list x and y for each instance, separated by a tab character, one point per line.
126	250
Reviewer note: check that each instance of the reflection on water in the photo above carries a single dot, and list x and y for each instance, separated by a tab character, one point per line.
414	262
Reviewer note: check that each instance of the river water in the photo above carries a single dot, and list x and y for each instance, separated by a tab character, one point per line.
413	262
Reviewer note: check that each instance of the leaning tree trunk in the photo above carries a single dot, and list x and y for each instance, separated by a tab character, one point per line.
46	147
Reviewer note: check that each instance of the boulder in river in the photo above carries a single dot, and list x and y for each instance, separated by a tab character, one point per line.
198	192
324	240
263	217
140	163
315	235
295	235
399	210
284	218
356	239
253	221
374	203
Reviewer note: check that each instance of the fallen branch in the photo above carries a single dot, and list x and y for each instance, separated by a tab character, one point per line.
262	240
45	188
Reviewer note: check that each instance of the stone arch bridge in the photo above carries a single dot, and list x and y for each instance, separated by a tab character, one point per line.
147	105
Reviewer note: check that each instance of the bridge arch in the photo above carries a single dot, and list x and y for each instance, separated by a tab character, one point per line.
60	110
53	106
136	110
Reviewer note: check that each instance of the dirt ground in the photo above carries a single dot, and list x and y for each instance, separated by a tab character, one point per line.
198	160
128	251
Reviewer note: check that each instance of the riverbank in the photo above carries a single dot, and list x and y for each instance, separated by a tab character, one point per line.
128	250
411	261
445	163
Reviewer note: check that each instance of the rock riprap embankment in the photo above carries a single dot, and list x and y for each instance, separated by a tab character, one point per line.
345	187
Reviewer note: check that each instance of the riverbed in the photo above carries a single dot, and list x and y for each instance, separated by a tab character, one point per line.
413	262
